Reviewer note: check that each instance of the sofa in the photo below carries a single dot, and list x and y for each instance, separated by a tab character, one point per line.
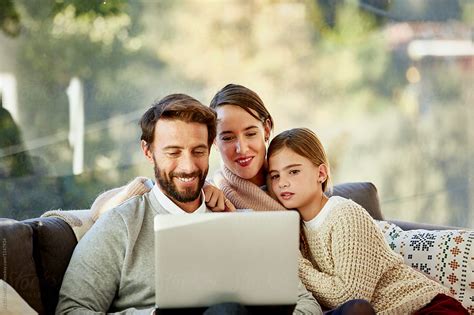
36	252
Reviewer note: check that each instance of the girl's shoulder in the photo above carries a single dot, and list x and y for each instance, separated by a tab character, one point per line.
338	202
343	207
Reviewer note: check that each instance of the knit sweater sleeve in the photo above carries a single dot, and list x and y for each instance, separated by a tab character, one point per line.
93	275
358	258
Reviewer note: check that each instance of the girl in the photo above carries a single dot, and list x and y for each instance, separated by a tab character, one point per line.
345	255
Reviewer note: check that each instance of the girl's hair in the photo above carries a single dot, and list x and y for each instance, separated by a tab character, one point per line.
304	142
248	100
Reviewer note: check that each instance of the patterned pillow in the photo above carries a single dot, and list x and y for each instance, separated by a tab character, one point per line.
446	256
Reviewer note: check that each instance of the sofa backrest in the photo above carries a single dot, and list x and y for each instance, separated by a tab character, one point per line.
363	193
37	254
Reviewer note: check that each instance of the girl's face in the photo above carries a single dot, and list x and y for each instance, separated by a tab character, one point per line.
241	142
294	180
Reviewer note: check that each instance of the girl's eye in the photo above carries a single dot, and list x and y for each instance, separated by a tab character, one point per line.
294	172
273	177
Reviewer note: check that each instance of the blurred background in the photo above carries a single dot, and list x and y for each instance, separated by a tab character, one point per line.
388	85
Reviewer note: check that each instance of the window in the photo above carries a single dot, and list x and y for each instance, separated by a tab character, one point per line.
387	85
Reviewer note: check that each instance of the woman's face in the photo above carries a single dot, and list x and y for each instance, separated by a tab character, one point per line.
241	142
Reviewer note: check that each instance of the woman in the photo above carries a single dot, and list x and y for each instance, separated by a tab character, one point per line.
345	253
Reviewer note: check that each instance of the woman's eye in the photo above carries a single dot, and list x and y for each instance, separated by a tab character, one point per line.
226	139
294	172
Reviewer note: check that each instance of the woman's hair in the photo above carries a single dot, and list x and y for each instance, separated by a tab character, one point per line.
248	100
304	142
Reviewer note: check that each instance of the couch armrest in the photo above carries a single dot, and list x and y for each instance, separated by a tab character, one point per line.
80	221
363	193
53	245
17	264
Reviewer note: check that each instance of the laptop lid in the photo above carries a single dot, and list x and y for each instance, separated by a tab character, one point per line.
245	257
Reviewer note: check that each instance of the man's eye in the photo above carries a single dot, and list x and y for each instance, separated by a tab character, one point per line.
172	154
251	134
199	153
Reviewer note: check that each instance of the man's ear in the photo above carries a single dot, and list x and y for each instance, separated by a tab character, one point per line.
147	151
322	173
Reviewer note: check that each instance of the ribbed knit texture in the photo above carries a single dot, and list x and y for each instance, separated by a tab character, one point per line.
135	188
243	193
349	259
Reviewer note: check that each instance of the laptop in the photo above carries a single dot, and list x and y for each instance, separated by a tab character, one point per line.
244	257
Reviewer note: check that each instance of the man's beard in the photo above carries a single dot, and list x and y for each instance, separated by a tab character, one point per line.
169	188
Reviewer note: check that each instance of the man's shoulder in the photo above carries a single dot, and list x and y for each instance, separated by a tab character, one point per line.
126	211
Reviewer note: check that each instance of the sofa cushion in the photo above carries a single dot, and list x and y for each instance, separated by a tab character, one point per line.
12	302
53	245
363	193
446	256
17	265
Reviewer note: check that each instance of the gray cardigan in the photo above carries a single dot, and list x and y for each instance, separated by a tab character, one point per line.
112	270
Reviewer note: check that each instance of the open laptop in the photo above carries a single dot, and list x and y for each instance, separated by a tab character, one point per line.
244	257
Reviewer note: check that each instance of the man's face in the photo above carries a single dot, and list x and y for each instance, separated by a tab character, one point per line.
180	155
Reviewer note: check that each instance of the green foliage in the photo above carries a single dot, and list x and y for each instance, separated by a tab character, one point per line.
9	18
91	7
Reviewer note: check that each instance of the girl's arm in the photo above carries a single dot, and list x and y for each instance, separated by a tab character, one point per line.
359	256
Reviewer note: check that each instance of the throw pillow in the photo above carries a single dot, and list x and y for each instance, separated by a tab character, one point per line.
446	256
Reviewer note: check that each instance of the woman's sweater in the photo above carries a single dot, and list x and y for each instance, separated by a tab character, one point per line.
243	193
348	258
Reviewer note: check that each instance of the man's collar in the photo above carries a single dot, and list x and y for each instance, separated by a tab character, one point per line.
171	207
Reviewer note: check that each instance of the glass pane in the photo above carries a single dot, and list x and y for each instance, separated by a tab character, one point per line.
387	85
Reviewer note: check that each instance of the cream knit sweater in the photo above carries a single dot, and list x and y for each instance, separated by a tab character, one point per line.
349	258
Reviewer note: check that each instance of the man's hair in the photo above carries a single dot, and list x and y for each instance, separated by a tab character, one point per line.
178	107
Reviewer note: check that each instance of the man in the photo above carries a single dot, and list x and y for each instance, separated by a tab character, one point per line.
112	268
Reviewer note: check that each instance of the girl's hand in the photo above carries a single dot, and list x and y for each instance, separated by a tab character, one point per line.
215	199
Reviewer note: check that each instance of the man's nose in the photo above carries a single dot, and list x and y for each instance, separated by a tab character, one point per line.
187	164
